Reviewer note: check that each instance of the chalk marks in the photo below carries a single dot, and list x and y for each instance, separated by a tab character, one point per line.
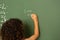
3	12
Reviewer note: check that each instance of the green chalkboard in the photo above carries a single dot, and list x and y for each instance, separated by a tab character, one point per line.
48	12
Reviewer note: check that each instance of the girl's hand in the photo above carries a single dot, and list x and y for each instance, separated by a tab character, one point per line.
34	17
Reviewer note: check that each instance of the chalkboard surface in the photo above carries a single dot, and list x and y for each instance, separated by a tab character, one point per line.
48	12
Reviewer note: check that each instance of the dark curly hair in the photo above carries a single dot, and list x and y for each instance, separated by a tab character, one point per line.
12	29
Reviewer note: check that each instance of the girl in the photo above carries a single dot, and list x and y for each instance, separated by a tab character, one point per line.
13	29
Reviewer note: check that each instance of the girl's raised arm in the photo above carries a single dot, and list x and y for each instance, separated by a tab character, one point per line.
36	30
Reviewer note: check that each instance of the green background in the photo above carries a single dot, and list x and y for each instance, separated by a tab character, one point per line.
48	12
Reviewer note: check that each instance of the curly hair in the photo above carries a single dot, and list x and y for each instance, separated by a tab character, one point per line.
12	30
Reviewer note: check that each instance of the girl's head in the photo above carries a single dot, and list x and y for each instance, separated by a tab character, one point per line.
12	30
